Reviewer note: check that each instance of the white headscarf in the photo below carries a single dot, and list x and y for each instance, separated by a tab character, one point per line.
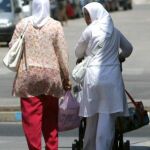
40	12
100	17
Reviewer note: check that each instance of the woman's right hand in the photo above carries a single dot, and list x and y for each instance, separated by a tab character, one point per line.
121	58
79	60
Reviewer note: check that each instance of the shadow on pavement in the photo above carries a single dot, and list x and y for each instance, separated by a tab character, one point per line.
140	148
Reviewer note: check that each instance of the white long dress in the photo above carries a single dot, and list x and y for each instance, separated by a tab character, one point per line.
103	87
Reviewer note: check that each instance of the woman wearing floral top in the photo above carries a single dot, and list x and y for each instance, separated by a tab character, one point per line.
42	77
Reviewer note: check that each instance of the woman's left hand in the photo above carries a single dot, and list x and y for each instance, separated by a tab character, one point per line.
67	85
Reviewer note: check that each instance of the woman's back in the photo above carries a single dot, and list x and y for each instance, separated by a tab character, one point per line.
45	60
106	52
41	44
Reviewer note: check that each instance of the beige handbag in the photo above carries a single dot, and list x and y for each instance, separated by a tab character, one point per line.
79	70
13	57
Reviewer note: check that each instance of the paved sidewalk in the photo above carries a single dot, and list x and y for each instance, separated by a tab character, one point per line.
139	139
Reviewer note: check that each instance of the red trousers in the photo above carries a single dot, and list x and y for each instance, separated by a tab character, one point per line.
40	115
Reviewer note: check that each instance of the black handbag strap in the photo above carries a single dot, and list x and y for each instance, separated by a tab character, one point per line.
131	98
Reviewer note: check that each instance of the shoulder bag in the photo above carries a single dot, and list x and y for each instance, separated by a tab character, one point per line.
79	70
138	117
13	57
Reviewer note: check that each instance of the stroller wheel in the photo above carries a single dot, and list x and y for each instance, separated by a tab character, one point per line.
76	145
126	145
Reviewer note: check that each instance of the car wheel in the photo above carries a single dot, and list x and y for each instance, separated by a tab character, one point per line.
125	7
129	6
117	7
7	43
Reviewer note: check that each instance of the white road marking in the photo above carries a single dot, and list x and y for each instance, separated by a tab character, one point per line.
141	1
133	71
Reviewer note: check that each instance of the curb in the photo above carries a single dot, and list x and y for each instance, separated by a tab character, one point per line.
10	114
9	108
147	108
13	114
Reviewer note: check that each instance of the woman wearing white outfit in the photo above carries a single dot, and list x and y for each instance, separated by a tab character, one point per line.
102	97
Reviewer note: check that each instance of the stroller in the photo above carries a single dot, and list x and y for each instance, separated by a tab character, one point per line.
138	118
119	143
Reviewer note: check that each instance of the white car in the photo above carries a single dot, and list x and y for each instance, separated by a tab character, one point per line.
10	14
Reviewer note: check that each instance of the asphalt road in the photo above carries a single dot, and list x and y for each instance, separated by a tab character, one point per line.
135	24
12	138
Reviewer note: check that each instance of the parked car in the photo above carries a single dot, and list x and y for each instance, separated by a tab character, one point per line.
125	4
111	5
10	13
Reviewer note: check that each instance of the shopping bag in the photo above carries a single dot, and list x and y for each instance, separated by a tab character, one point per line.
68	117
138	117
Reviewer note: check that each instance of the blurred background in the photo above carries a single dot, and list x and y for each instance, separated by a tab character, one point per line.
11	11
131	17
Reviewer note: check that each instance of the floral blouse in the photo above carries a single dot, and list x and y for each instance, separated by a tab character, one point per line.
44	62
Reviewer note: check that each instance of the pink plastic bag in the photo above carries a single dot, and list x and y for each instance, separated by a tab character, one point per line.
68	117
